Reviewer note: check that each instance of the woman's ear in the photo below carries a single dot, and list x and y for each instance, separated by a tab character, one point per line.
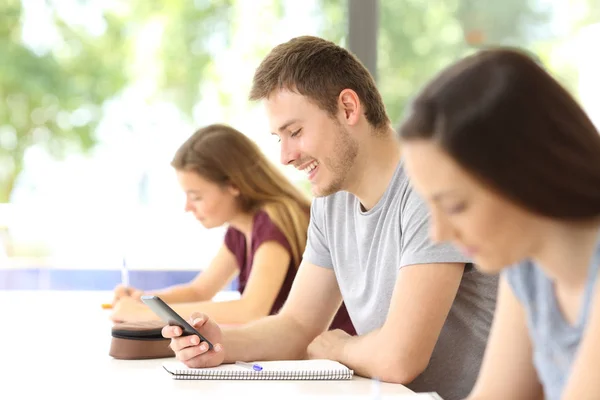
233	190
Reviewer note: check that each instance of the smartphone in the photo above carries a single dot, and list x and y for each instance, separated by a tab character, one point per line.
168	315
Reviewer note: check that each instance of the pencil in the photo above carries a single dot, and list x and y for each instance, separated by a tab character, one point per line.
124	282
124	274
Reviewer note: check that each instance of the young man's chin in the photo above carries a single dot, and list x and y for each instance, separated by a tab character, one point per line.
321	191
317	190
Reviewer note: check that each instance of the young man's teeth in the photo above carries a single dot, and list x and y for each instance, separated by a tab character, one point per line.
310	167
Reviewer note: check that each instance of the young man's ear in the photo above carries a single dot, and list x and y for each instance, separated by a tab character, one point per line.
349	104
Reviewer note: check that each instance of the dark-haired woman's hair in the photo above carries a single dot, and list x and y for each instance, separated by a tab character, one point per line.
506	121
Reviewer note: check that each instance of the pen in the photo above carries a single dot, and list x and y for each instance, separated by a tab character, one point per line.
124	282
253	367
124	274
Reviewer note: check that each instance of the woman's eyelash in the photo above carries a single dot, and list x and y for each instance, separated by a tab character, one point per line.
457	209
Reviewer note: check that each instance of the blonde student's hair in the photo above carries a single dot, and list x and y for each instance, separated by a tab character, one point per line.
225	156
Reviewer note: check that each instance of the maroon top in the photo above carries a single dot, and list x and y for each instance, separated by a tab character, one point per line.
264	230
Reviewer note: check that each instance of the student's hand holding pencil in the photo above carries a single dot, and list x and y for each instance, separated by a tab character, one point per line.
121	291
126	291
128	309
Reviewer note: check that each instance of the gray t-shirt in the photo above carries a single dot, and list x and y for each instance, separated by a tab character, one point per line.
367	249
555	341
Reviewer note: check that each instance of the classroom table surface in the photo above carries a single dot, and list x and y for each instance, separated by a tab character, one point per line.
57	342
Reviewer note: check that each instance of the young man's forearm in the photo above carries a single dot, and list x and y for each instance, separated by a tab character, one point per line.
233	312
277	337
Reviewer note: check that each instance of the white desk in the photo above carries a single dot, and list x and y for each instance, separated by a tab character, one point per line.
58	342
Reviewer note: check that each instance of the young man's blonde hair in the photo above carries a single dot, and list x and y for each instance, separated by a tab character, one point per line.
320	70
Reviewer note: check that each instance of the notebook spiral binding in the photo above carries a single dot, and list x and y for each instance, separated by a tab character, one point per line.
264	375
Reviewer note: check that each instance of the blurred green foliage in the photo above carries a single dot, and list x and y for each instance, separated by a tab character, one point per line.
55	97
418	38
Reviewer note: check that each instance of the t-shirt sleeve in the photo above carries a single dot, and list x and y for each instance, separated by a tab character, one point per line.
317	247
231	240
417	247
265	230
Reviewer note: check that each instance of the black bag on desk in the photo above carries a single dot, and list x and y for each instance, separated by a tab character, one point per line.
139	341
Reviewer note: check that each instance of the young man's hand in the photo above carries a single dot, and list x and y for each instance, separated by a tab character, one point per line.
189	350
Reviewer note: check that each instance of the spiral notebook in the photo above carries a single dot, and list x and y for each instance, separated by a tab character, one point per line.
271	370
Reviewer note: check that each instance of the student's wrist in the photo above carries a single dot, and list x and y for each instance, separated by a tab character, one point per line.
342	348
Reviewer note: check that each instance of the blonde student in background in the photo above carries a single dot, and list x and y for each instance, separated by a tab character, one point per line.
228	181
509	164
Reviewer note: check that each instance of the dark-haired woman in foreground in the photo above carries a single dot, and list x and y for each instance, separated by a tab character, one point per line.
510	166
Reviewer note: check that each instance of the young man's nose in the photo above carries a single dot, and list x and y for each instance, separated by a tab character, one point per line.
289	154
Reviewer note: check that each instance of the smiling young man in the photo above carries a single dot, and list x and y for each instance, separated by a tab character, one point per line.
422	313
